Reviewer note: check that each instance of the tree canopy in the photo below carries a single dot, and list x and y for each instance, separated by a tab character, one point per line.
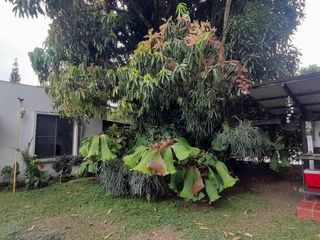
313	68
104	33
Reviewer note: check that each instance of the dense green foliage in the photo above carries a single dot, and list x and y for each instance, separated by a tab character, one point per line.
63	164
313	68
179	76
35	173
260	38
246	141
95	150
7	173
194	173
107	31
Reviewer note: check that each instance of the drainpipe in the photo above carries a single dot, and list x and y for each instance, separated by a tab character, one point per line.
75	139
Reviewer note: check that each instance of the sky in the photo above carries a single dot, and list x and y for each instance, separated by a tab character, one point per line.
18	36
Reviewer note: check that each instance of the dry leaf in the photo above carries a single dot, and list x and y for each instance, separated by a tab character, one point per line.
110	210
106	237
30	229
236	238
154	233
231	233
225	233
204	228
248	235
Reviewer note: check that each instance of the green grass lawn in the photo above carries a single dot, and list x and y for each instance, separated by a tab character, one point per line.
83	211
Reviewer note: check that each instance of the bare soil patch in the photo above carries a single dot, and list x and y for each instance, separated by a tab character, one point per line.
165	233
66	228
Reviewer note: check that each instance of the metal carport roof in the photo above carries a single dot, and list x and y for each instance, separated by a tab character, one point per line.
304	91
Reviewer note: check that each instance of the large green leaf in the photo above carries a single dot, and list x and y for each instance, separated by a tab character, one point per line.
94	146
132	160
215	179
147	157
83	168
84	150
181	151
193	150
192	185
105	151
220	142
211	190
169	161
157	166
223	172
177	180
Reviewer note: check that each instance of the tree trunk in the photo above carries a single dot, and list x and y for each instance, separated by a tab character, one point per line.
225	20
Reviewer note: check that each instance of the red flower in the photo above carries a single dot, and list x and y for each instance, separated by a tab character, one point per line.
41	166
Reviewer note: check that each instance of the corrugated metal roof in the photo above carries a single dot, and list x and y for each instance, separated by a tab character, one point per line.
303	89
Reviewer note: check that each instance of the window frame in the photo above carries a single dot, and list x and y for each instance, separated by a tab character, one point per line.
47	159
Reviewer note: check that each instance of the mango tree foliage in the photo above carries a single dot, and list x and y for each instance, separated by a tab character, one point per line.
179	76
96	149
90	89
194	173
261	38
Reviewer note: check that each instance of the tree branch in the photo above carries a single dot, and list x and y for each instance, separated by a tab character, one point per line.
225	20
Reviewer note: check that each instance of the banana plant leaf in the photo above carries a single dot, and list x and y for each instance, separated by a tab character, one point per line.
223	172
193	150
158	166
84	150
105	152
168	160
145	160
181	151
94	146
219	143
177	179
83	168
132	160
216	180
193	184
211	190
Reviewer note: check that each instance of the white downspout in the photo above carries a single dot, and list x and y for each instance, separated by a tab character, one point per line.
75	142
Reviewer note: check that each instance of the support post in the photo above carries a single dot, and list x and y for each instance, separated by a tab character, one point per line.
309	137
20	115
75	139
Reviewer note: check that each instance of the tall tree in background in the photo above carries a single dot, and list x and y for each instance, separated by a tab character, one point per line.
15	76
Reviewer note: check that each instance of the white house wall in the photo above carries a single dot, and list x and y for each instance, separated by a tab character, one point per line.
35	101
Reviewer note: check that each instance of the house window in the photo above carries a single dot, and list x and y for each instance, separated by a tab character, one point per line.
53	136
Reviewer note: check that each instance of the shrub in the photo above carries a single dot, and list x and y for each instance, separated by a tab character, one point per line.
114	177
151	187
35	173
63	164
7	173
